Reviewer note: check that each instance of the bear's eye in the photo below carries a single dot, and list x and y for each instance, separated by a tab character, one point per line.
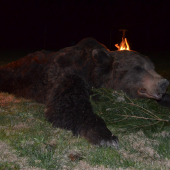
138	69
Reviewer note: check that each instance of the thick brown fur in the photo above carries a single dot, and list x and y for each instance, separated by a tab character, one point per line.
63	81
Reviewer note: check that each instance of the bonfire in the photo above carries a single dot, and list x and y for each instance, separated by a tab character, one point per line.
124	44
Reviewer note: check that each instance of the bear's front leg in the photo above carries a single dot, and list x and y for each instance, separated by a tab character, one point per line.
95	131
69	107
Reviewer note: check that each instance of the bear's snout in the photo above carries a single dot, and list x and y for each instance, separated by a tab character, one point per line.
163	84
153	88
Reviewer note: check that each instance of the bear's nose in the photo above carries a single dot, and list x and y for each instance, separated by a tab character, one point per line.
163	84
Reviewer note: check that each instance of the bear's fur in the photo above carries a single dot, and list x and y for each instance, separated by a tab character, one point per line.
63	81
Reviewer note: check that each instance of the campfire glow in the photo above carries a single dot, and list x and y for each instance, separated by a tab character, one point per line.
123	45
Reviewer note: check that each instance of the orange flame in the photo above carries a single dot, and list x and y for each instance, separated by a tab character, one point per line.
123	45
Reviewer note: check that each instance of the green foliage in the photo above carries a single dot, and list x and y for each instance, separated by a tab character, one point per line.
119	111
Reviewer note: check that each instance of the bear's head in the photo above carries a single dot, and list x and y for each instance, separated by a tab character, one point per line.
128	71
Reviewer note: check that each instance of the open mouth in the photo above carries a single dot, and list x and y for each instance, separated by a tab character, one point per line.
143	92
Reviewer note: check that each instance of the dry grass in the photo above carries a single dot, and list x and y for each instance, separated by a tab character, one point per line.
144	150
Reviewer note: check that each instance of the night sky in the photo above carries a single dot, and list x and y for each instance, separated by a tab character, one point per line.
54	24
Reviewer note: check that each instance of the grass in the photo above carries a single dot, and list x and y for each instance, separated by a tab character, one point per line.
9	166
35	143
28	141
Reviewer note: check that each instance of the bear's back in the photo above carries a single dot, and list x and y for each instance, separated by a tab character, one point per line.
90	43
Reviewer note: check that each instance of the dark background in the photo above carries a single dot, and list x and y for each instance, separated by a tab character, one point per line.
52	24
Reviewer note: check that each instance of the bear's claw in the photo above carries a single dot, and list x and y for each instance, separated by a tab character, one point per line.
113	143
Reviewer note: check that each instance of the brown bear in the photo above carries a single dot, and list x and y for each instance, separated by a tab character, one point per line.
63	81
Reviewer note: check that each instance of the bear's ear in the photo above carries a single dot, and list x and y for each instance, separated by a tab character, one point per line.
102	56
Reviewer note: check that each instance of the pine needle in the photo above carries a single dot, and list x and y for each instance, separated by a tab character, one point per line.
119	111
